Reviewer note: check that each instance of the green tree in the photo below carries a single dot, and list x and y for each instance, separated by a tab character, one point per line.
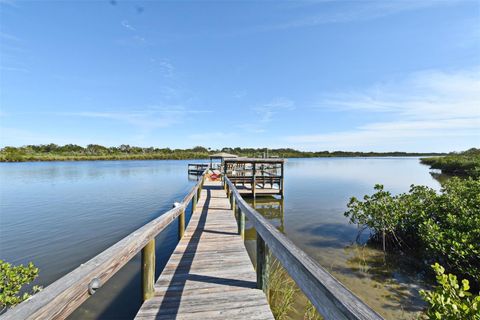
441	226
12	279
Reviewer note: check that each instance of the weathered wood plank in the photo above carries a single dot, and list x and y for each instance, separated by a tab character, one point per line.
209	275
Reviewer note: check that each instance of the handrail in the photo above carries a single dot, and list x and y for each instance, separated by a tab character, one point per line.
327	294
62	297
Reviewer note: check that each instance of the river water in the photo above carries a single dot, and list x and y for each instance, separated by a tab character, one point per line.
60	214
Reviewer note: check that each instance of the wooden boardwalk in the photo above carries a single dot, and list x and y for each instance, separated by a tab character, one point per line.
209	275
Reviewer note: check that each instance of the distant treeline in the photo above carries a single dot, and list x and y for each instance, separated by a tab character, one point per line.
465	163
53	152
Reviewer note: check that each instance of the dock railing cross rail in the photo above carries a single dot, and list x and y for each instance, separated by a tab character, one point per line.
62	297
331	299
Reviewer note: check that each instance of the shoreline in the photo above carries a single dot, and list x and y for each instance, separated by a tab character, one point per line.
147	158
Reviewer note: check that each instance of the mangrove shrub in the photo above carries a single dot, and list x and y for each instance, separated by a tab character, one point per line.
451	300
442	227
12	279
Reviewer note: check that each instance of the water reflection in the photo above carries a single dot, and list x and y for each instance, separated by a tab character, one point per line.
311	215
60	214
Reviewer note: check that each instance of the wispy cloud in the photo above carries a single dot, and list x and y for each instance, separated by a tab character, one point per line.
165	66
146	119
6	36
14	69
211	136
127	25
11	3
267	111
355	11
18	137
427	94
251	127
427	106
11	50
239	94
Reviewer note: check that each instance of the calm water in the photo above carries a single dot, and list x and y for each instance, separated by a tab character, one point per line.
60	214
316	194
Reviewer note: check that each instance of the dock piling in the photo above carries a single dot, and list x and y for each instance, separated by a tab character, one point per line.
263	265
148	270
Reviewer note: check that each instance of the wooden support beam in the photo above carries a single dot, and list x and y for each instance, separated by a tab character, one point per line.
194	202
232	202
282	180
241	223
148	270
254	182
263	265
181	224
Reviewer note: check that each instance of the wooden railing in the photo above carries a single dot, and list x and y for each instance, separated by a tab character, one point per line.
62	297
331	299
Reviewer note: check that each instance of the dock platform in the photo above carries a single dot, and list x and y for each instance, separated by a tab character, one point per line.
209	275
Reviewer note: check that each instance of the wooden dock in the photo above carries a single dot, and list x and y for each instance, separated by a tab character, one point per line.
209	275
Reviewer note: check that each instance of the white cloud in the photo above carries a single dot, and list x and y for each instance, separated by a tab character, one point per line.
426	94
265	113
165	66
268	110
424	108
9	37
18	137
147	119
239	94
127	25
212	136
11	3
251	127
357	11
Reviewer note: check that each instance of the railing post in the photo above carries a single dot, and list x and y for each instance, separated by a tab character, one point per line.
148	270
181	224
241	223
263	264
282	181
254	181
194	202
181	221
199	191
232	203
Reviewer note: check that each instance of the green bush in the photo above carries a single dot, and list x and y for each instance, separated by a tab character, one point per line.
466	163
442	226
12	279
72	152
450	300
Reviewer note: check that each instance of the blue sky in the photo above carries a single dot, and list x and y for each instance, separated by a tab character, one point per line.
314	75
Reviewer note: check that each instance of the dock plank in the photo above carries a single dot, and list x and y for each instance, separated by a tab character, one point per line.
209	275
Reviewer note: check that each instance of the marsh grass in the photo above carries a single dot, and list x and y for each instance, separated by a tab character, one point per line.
286	300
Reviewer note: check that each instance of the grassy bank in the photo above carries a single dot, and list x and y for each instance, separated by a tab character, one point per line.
71	152
466	163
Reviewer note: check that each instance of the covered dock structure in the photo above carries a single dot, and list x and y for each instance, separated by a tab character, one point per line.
256	176
220	156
